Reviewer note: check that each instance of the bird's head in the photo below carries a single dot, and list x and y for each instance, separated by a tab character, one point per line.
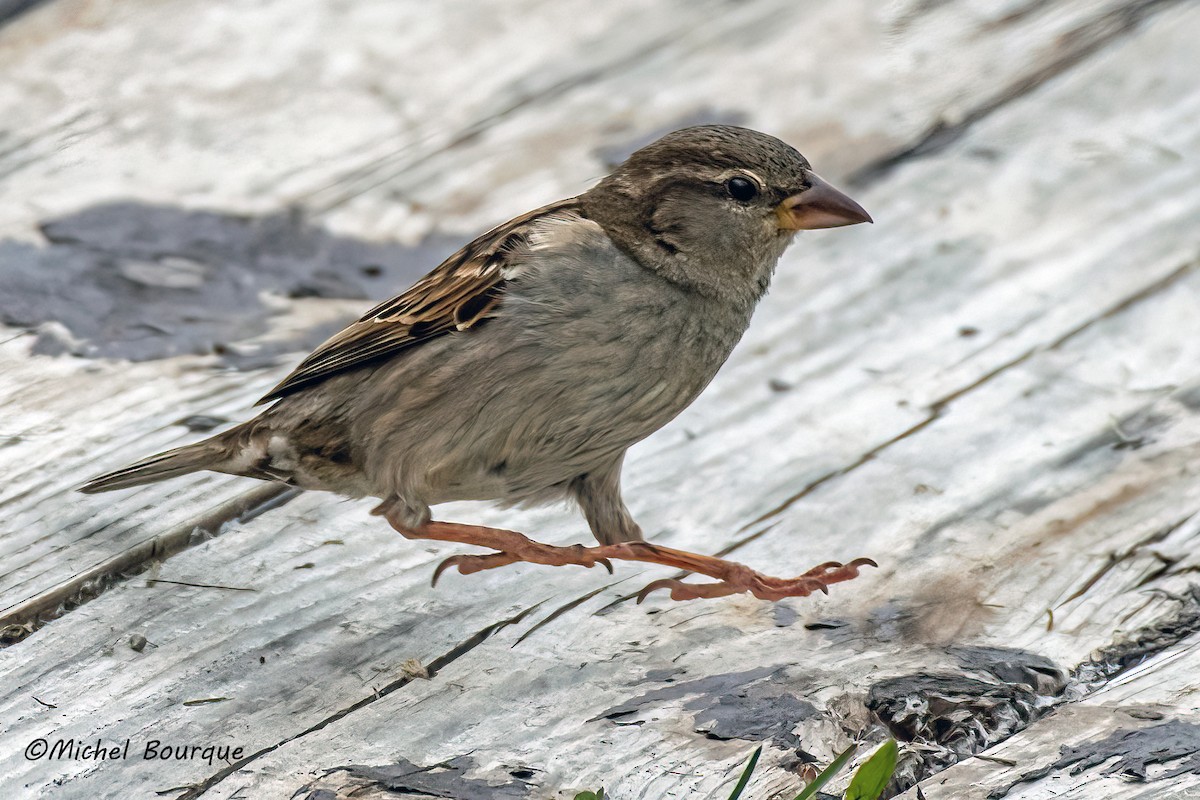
713	207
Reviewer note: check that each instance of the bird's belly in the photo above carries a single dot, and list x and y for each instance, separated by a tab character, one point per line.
560	431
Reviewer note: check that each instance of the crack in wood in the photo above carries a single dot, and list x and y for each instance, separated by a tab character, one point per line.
1109	662
1079	44
31	614
563	609
1117	558
446	779
1125	303
934	705
17	153
456	652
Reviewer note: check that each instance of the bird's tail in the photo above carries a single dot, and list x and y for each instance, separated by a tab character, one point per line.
209	454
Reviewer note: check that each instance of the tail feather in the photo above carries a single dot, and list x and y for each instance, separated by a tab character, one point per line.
171	464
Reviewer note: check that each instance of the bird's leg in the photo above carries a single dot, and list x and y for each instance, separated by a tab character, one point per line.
732	577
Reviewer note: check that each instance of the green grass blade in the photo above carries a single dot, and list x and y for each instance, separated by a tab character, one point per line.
873	776
837	766
741	784
591	795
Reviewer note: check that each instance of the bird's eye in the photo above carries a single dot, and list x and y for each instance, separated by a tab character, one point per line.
741	189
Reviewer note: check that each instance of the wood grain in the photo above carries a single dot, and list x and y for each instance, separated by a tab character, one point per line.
993	391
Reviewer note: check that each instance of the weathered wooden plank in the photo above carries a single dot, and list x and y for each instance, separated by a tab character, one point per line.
223	119
680	63
1003	500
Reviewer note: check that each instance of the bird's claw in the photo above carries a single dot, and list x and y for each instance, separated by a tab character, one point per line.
445	564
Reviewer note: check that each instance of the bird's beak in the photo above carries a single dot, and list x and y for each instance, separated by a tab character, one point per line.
819	206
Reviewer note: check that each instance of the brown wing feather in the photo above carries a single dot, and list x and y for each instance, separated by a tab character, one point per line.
460	293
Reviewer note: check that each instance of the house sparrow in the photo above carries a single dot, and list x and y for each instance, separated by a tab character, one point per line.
522	368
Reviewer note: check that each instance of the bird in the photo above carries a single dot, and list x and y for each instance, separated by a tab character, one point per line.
522	368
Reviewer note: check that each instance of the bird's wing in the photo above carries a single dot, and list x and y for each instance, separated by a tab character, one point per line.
462	292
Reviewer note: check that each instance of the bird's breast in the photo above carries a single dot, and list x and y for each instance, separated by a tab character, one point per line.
605	352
